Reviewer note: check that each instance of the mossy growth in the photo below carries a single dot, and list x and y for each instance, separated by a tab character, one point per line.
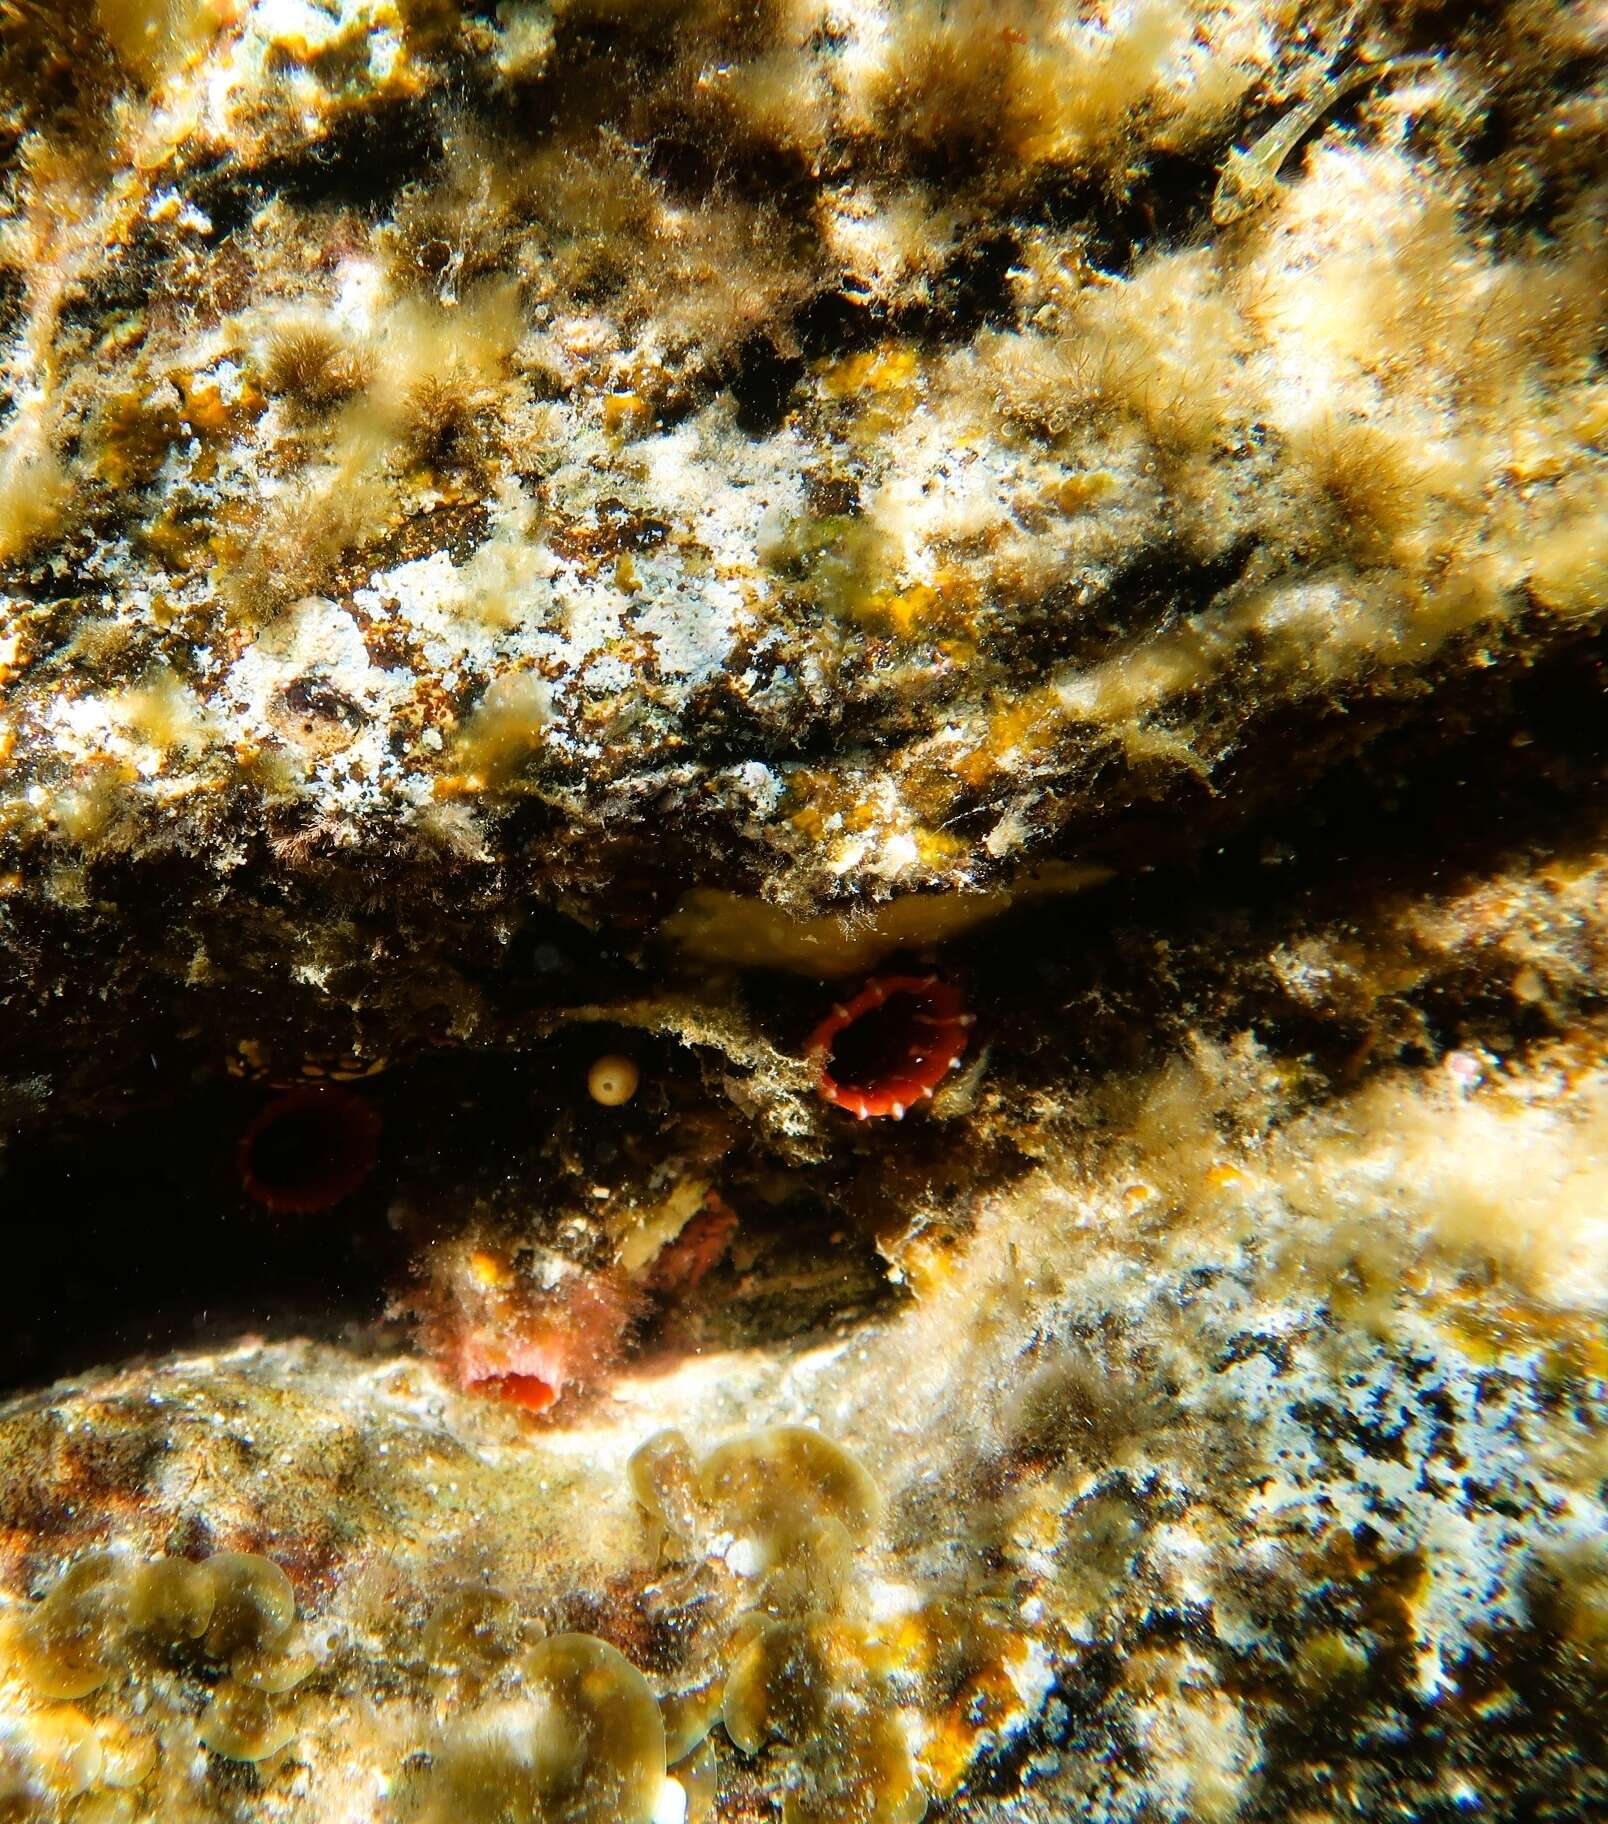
34	487
500	735
837	562
312	365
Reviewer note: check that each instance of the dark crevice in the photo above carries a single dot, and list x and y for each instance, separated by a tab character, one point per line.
121	285
13	289
1168	206
1163	583
1159	813
1526	1704
165	1249
1342	853
839	322
763	386
170	1247
1071	1721
972	292
362	163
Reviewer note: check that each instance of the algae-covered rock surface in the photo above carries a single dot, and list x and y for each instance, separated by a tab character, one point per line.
802	911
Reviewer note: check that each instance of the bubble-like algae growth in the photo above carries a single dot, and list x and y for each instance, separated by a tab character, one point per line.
144	1642
767	1483
251	1603
804	1661
472	1629
245	1723
171	1599
65	1646
581	1744
612	1079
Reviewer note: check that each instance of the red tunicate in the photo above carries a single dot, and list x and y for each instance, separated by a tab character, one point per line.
308	1149
891	1046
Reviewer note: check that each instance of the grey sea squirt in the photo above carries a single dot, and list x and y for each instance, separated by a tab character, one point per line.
802	911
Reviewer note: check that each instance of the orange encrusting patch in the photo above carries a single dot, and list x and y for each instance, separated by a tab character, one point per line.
529	1392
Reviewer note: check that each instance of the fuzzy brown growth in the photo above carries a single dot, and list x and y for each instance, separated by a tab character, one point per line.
439	418
314	367
1369	477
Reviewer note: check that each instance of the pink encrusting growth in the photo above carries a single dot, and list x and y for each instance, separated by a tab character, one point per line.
498	1335
891	1045
529	1329
683	1263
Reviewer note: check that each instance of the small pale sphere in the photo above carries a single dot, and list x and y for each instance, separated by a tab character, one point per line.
1529	985
613	1079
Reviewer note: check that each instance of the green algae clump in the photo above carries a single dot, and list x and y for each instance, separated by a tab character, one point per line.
234	1606
64	1648
253	1603
471	1629
765	1483
584	1745
170	1599
244	1723
664	1478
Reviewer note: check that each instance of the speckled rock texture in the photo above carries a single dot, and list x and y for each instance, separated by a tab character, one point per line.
542	546
460	462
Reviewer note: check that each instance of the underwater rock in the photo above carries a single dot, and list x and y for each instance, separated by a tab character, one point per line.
425	499
595	594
